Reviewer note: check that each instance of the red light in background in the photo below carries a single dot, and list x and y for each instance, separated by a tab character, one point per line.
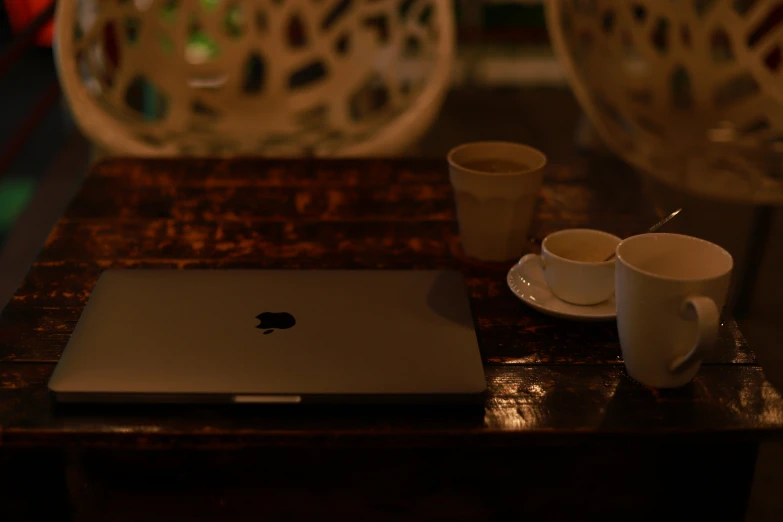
22	12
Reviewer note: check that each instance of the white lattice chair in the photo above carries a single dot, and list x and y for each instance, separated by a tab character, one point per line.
688	91
269	77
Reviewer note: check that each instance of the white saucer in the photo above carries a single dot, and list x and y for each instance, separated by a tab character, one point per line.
534	291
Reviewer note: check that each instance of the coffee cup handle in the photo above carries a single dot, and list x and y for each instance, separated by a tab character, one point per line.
707	321
526	260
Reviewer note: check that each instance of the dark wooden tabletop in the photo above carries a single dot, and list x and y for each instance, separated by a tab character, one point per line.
547	378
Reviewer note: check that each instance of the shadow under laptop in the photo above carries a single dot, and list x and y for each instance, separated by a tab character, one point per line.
360	417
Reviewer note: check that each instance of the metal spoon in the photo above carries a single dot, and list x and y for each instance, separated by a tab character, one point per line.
653	228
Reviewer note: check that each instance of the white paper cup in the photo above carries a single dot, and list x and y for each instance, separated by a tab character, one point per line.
495	209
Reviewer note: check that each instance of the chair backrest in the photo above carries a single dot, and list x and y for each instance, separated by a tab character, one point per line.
688	91
269	77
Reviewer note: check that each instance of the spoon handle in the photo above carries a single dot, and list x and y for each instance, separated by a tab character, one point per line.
664	221
652	228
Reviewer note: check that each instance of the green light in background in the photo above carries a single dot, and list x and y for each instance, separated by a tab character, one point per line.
169	11
14	196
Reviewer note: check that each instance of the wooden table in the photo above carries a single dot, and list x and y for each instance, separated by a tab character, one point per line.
563	432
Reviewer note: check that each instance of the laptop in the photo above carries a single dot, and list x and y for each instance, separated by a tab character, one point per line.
273	336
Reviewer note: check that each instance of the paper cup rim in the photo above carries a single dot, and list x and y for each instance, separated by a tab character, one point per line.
541	163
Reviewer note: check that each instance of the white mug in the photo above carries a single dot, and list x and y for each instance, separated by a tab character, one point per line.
670	291
573	264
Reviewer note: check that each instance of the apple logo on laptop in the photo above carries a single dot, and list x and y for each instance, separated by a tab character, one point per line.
271	321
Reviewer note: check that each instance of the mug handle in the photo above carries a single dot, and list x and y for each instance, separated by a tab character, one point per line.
707	320
526	260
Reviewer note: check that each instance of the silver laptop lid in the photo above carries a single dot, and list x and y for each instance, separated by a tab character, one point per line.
271	336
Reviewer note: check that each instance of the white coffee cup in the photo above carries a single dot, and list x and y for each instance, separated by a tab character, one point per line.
574	266
495	205
670	291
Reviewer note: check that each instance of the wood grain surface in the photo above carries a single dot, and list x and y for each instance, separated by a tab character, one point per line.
564	433
547	377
